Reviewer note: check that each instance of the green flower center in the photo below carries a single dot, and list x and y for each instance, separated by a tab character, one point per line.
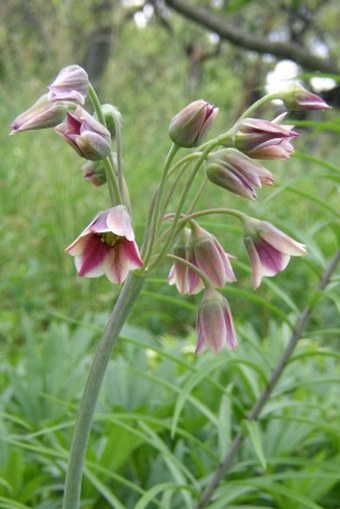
109	238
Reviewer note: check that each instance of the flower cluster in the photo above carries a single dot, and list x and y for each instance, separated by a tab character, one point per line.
200	263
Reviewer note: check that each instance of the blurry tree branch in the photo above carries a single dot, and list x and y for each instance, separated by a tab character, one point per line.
261	45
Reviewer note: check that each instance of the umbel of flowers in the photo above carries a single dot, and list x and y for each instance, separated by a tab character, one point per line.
231	161
200	264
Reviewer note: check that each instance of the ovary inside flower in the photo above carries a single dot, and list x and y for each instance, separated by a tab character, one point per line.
109	238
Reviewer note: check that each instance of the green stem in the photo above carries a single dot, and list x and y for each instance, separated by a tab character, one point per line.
153	218
192	267
129	293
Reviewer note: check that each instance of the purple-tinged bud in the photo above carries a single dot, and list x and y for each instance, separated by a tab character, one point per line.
86	135
269	249
94	172
215	327
207	254
231	169
262	139
179	273
191	124
71	84
298	98
41	115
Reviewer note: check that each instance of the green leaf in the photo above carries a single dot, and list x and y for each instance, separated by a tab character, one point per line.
254	433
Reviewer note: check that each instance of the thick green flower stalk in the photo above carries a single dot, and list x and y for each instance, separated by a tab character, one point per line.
200	264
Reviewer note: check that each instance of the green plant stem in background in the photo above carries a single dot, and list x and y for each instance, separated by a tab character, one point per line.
254	413
121	310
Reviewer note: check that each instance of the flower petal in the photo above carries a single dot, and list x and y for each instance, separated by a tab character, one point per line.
90	262
119	222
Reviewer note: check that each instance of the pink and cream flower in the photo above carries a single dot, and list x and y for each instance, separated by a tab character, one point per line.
264	139
107	246
269	249
215	327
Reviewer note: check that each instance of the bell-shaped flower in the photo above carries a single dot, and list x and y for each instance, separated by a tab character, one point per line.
71	84
179	272
298	98
264	139
191	124
214	326
107	246
231	169
89	138
41	115
207	254
269	249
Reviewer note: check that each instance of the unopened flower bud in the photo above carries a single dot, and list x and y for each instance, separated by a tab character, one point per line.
179	273
191	124
215	327
297	98
41	115
207	254
86	135
231	169
71	84
94	172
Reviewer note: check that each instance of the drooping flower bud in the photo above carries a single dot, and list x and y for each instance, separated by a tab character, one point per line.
262	139
231	169
191	124
179	273
94	172
298	98
41	115
85	134
269	249
207	254
215	326
71	84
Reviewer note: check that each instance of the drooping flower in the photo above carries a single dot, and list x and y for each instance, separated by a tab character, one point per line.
231	169
191	124
298	98
41	115
179	273
71	84
107	246
89	138
264	139
214	326
269	249
207	254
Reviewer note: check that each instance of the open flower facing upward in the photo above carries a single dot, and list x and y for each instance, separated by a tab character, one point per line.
71	84
86	135
215	326
269	249
264	139
231	169
191	124
107	246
